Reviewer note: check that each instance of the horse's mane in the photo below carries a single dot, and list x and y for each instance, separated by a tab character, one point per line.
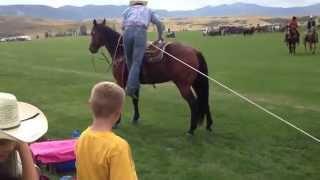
110	33
112	37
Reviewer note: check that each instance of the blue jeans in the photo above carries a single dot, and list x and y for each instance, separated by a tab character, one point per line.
134	47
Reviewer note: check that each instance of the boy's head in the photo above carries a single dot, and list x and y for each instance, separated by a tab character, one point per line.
106	100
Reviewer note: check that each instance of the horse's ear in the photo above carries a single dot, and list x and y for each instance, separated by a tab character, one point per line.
104	22
94	22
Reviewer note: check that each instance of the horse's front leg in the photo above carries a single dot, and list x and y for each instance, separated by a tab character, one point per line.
305	45
290	49
136	113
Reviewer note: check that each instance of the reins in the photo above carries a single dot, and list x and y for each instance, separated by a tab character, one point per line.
115	53
105	57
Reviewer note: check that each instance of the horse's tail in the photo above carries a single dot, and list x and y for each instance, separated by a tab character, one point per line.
201	87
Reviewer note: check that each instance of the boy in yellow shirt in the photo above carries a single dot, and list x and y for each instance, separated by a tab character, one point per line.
100	154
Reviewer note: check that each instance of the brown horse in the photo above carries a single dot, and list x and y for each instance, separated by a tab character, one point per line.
292	38
311	39
193	87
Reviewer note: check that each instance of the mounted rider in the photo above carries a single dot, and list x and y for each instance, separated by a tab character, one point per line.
136	20
312	26
293	25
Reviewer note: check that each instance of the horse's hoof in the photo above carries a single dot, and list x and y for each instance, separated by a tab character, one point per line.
135	122
116	126
209	129
190	133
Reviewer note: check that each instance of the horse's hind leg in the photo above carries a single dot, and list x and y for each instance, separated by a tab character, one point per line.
199	89
188	95
209	120
314	48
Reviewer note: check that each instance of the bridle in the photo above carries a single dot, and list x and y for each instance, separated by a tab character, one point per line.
118	44
106	57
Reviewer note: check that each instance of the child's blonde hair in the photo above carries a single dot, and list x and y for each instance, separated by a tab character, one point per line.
106	99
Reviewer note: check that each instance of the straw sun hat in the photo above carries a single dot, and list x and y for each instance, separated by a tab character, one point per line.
144	2
20	121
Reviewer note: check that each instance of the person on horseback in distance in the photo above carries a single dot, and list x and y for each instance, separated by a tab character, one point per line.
312	26
293	25
136	19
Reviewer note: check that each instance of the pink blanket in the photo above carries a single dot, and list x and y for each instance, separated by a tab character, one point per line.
53	151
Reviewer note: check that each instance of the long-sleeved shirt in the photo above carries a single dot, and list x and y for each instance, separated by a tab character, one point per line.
139	15
293	25
311	24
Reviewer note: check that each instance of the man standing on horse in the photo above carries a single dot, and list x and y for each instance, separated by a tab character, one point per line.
293	25
136	20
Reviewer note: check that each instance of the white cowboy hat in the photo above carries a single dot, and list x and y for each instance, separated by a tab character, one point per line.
20	121
144	2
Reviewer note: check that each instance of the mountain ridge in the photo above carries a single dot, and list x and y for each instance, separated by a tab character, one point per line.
69	12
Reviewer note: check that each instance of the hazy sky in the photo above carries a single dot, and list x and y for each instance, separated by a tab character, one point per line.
163	4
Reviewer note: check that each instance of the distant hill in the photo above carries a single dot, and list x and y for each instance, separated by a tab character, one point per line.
62	13
243	9
110	11
10	25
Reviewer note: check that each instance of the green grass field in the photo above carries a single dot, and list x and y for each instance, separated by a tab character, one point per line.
246	144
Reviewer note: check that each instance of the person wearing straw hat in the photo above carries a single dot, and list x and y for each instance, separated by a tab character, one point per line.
20	123
136	20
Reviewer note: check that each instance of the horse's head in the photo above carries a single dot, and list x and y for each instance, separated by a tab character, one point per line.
97	36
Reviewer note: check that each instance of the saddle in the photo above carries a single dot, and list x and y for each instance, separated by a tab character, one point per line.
152	54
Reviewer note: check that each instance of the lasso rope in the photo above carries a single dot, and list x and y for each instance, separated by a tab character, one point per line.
241	96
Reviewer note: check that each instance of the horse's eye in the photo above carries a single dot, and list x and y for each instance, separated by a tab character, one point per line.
93	33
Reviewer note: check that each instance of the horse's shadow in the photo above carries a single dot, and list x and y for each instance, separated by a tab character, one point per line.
305	54
151	132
